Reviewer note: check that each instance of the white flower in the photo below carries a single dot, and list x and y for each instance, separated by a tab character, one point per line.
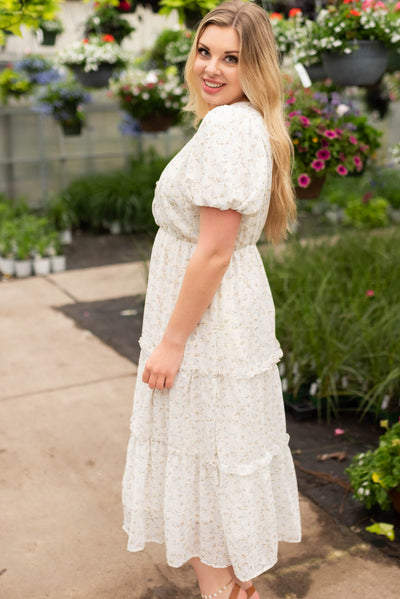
342	109
145	95
151	77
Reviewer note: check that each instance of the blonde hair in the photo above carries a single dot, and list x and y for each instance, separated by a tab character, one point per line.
261	81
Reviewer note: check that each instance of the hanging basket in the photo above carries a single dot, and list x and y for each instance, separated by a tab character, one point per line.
48	38
312	191
153	124
97	78
364	66
71	127
316	71
393	64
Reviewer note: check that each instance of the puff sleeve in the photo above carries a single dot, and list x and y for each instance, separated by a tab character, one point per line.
230	163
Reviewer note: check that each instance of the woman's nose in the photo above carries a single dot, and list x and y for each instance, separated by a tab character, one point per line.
212	67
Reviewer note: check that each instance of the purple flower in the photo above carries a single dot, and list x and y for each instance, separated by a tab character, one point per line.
330	133
318	165
342	170
304	180
323	154
304	121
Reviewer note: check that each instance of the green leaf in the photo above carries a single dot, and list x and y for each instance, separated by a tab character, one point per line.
382	528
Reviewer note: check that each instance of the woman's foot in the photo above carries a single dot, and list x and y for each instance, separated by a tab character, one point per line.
229	591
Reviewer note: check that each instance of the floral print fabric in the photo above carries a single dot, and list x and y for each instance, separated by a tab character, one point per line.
209	471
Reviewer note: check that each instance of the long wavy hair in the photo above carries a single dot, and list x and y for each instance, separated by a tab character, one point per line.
261	81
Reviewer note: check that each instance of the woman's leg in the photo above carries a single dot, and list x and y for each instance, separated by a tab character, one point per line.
211	580
244	584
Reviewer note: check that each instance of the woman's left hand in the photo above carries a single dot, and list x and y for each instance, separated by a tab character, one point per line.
163	364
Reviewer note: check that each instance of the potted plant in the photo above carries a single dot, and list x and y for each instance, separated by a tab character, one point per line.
44	238
106	19
13	85
63	101
355	38
190	12
25	239
49	29
328	137
177	51
375	475
154	98
93	60
306	49
7	247
38	69
285	30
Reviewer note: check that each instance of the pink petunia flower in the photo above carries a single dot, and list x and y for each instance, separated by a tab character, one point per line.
304	180
324	143
294	113
290	100
342	157
323	154
339	132
330	133
370	293
358	163
338	432
396	8
318	165
304	121
353	140
342	170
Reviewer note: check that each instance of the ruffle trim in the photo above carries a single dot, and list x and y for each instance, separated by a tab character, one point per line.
236	469
188	367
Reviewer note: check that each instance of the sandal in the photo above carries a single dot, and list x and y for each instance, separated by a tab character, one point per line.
236	589
250	591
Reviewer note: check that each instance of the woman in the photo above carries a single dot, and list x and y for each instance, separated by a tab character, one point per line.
209	471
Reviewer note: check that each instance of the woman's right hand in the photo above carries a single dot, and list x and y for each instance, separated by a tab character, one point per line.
161	368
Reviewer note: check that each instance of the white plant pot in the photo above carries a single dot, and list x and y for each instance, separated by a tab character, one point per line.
115	228
41	266
66	237
7	266
57	263
23	268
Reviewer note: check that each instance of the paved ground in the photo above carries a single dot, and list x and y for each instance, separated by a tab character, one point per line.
65	403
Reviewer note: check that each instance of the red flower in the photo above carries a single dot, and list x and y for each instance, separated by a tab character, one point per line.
293	12
107	37
276	15
355	13
85	41
347	1
370	293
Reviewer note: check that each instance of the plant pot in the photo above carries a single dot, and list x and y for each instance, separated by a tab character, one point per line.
115	227
57	263
393	64
316	71
95	79
394	495
65	237
154	123
72	127
48	37
312	191
41	266
364	66
7	266
23	268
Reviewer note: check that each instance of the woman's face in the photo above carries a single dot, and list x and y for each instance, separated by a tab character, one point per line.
216	66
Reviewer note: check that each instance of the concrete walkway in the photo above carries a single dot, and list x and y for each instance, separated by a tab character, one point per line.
65	404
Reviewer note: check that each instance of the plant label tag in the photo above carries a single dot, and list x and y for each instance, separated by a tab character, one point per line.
303	75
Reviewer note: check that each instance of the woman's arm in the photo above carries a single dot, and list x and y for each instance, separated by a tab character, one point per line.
206	268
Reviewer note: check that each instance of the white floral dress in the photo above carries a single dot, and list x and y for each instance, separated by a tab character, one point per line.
209	471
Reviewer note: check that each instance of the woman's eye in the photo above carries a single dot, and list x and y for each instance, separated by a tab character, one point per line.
231	59
202	51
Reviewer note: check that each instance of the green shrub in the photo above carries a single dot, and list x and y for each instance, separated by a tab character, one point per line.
338	318
124	196
374	474
367	213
